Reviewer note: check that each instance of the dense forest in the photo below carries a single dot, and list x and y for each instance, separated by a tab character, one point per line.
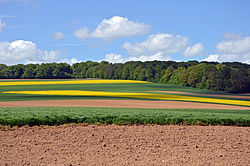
229	77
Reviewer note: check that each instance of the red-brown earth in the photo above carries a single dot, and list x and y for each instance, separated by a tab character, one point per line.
125	145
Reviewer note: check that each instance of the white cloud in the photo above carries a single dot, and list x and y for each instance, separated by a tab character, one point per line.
69	61
233	50
162	42
238	46
195	50
114	58
156	47
157	56
21	51
117	58
115	27
228	58
82	33
2	25
212	58
58	35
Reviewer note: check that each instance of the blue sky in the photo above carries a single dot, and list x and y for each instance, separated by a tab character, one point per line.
36	31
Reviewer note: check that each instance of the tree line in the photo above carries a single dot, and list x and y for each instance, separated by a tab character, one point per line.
231	77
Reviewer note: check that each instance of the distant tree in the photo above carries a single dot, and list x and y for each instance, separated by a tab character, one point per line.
15	71
137	73
79	70
195	74
168	73
240	81
100	69
178	75
3	67
149	73
61	70
118	70
125	72
44	71
30	71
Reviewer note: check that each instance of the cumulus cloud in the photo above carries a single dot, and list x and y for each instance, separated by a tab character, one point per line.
21	51
58	35
212	58
236	46
114	58
156	47
233	50
162	42
115	27
117	58
2	25
195	50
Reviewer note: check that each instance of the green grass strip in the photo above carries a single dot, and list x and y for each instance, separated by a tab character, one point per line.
61	115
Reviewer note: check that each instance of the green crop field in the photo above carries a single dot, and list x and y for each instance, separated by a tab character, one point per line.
128	87
59	115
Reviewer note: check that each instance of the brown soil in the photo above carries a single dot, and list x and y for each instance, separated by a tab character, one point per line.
212	95
125	145
119	103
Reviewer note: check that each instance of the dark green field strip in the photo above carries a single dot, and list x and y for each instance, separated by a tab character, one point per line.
131	87
61	115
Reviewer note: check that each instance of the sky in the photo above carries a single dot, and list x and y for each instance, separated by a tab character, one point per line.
44	31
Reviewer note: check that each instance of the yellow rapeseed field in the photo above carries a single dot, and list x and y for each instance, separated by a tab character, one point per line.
134	95
68	82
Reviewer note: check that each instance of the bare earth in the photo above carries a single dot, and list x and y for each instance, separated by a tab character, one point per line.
246	95
119	103
125	145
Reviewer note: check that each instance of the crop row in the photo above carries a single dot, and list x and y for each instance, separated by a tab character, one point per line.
61	115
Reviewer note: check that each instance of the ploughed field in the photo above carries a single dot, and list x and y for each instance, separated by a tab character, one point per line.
125	145
120	122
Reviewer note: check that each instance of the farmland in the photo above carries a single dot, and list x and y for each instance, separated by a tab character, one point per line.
125	145
117	90
124	83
